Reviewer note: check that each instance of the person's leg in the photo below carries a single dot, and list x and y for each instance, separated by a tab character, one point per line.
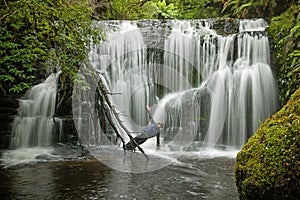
140	139
158	140
129	146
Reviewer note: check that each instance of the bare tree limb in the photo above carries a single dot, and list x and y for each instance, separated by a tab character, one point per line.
128	133
108	117
116	114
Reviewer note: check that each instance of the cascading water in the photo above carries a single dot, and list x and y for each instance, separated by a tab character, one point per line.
214	88
35	121
123	60
33	127
241	89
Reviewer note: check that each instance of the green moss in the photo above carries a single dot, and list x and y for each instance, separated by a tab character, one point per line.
285	31
268	166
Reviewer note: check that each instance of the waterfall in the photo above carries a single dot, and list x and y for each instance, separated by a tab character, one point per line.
205	86
123	60
34	123
242	90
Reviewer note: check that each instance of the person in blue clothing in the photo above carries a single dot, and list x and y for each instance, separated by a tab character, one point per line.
153	129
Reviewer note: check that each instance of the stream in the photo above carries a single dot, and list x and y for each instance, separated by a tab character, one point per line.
188	178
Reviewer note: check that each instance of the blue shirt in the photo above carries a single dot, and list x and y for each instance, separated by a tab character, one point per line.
152	129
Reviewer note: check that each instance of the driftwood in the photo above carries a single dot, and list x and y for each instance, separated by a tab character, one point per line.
104	99
108	116
128	132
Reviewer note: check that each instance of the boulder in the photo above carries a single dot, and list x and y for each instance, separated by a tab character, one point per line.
268	166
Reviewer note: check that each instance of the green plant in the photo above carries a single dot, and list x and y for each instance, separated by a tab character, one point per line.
285	30
198	9
36	34
255	8
166	11
154	9
125	10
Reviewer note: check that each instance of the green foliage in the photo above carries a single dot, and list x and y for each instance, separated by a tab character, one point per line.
267	167
38	33
120	9
136	9
199	9
255	8
166	11
158	9
148	11
285	30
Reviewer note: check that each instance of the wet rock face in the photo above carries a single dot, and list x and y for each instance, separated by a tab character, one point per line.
65	130
8	109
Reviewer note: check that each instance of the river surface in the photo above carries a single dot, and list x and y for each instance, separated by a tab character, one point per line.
188	178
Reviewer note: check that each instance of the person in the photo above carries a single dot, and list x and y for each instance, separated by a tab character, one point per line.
151	130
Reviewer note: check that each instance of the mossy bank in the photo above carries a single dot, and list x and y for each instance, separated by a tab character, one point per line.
268	166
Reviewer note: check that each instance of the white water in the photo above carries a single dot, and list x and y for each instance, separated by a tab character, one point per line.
210	91
32	130
242	90
35	120
217	88
123	60
27	155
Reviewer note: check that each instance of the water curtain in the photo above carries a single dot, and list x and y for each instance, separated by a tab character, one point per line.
206	86
35	122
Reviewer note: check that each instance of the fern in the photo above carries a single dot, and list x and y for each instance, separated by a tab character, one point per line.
295	31
243	7
231	3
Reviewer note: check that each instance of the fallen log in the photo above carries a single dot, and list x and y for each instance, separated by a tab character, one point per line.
104	99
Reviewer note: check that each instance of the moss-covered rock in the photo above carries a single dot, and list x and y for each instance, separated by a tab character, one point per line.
268	166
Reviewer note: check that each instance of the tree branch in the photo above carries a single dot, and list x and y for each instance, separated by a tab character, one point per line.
128	132
108	116
112	108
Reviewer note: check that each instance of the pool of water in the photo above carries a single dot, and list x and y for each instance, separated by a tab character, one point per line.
190	177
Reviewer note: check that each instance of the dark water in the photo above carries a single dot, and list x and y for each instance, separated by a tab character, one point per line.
210	178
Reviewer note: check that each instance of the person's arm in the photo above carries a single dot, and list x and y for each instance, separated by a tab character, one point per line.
149	113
